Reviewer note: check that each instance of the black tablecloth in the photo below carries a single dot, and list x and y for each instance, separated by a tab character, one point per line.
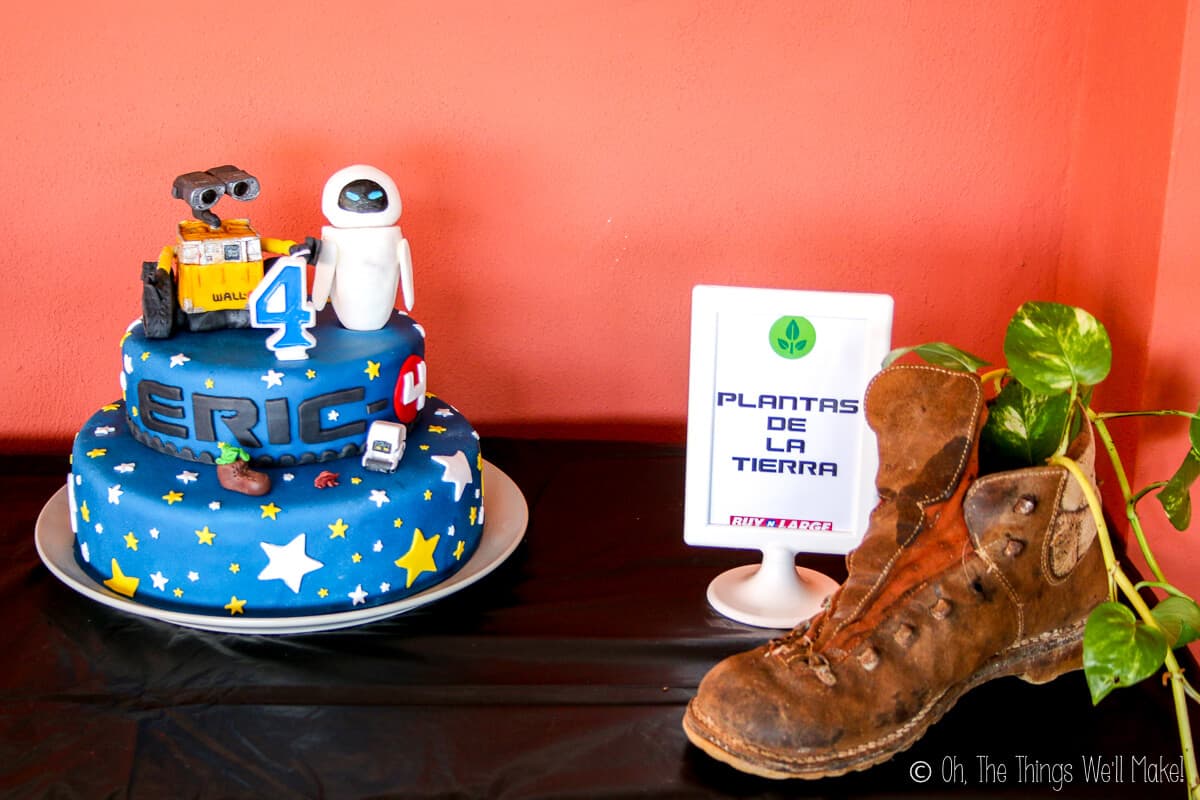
562	674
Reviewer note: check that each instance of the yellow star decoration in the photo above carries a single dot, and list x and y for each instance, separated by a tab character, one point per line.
270	510
473	513
396	523
419	558
178	592
339	529
85	512
322	592
235	606
206	536
146	355
131	541
110	407
172	497
372	369
208	383
356	481
357	557
437	429
97	452
310	374
423	446
133	411
458	550
428	495
235	568
120	582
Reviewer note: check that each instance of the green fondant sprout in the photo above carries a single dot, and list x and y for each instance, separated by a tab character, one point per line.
230	454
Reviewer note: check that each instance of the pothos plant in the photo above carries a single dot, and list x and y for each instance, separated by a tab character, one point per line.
1056	355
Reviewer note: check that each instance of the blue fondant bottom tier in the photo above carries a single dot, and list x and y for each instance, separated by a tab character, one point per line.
162	531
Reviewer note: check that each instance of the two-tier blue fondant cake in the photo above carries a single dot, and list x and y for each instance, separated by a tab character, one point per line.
152	522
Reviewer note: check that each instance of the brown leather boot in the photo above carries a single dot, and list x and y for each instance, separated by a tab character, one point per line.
956	582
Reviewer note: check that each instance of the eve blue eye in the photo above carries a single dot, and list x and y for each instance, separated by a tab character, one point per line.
375	195
355	196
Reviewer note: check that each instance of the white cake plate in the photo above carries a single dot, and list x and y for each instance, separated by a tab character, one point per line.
503	528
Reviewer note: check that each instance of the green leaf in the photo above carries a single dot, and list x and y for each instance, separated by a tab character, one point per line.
1023	429
784	345
939	354
1050	346
1119	650
793	331
1176	495
1180	618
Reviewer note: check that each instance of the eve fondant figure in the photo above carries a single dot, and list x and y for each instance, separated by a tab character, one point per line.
363	256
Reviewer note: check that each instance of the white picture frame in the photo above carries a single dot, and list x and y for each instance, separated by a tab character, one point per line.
767	427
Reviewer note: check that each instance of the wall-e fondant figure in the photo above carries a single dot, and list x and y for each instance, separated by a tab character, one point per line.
363	257
202	282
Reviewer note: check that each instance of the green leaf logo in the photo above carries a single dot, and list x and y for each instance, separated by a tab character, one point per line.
792	337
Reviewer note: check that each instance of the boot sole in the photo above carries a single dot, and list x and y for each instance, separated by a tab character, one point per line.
1037	660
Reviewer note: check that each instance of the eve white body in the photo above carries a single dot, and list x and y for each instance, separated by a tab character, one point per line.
364	257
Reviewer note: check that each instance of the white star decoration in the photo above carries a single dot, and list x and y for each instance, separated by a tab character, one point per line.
193	576
288	563
99	528
379	497
160	580
358	595
114	494
458	471
105	430
126	467
378	546
129	363
187	476
272	378
178	360
333	415
83	551
443	412
385	587
215	505
154	533
287	476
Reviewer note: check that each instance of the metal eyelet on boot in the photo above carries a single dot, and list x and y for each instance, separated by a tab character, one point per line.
1026	505
941	609
1013	547
905	634
868	659
820	667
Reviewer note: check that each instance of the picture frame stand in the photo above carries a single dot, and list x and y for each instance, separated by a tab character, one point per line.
773	594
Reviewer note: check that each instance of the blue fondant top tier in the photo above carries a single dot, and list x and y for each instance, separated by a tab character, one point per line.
186	394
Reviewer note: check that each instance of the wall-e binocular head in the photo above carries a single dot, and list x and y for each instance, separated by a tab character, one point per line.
202	190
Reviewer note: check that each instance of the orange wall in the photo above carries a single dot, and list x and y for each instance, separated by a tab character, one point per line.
1173	372
569	171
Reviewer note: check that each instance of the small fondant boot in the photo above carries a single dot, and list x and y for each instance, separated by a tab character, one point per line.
957	581
237	476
